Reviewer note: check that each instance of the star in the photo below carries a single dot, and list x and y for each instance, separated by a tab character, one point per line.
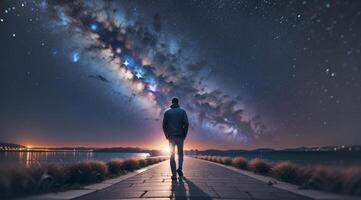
75	57
138	75
152	88
13	35
1	20
126	63
93	27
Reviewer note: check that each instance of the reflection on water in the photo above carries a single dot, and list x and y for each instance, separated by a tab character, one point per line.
31	157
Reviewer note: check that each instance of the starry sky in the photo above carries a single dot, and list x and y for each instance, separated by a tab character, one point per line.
251	74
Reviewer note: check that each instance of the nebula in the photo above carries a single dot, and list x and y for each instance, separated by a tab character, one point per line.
152	67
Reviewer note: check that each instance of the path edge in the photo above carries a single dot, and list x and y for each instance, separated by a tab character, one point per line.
87	189
314	194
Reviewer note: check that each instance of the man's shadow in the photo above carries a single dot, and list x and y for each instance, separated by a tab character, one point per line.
180	192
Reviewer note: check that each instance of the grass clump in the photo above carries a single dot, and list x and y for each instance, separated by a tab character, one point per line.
87	172
115	166
307	177
240	162
131	164
18	181
142	163
259	166
226	160
352	182
324	178
286	171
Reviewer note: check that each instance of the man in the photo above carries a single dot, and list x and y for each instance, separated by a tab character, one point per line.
175	127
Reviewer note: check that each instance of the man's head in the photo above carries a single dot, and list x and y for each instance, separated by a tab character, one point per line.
174	101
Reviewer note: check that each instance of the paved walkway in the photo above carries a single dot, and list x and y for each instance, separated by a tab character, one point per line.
203	180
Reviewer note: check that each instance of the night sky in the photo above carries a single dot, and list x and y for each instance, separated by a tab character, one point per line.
251	74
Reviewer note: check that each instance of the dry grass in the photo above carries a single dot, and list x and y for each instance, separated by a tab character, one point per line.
286	171
115	166
20	181
324	178
240	162
311	177
130	165
352	181
226	160
259	166
87	172
142	163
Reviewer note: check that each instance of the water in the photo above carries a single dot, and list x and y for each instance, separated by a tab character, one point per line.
67	157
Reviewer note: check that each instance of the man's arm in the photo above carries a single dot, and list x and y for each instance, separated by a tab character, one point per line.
185	124
165	125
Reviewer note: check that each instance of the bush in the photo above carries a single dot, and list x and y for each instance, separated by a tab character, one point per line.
213	158
226	160
352	183
21	181
115	166
240	163
131	164
325	179
286	171
150	161
310	177
57	172
87	172
142	163
217	159
47	176
259	166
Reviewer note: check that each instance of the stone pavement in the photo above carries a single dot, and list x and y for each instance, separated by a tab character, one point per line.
203	180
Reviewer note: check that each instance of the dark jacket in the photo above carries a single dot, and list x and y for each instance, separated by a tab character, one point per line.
175	122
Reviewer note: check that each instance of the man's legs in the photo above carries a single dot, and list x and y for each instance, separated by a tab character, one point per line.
180	143
172	160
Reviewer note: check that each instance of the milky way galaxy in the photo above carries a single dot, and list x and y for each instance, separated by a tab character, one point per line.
152	68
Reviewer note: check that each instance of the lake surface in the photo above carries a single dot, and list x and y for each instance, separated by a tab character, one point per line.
66	157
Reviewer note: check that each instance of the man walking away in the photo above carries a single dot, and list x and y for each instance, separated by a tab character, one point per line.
175	127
